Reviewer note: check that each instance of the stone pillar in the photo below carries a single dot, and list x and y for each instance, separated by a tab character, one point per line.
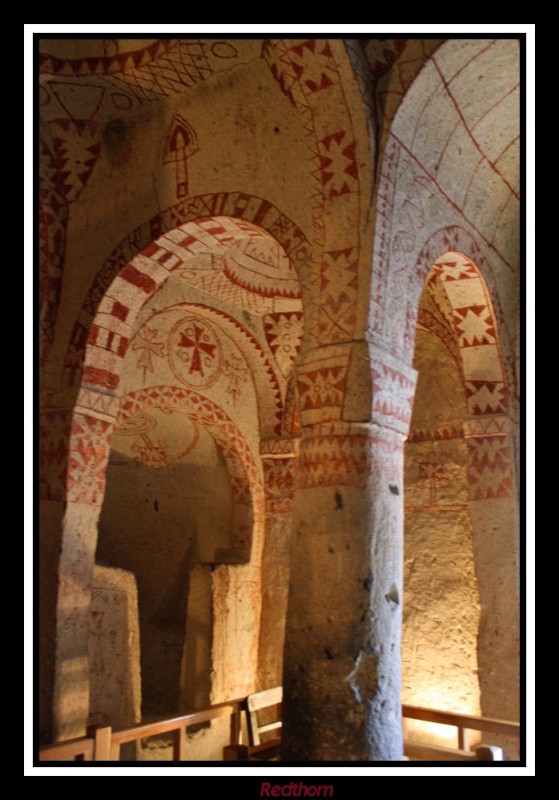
278	458
236	599
55	417
196	666
71	686
92	427
114	649
495	523
342	656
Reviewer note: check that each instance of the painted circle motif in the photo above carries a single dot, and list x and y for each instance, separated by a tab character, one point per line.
195	352
121	100
223	50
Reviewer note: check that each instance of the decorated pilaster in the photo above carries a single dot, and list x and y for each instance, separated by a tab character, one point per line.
491	481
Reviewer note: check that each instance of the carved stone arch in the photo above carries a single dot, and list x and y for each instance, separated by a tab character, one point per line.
242	206
320	81
244	476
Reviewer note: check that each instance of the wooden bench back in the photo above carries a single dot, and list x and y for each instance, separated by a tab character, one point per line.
257	702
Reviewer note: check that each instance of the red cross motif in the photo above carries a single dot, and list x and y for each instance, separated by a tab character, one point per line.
199	345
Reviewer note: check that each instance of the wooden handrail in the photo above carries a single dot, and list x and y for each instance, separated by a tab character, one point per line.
466	721
168	724
103	744
60	751
427	752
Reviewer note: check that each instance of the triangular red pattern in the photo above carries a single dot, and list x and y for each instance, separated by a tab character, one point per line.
298	69
325	82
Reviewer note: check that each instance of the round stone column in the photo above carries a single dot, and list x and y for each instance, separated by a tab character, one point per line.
342	655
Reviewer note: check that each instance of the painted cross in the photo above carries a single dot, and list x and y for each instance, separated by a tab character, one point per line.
199	345
145	341
434	471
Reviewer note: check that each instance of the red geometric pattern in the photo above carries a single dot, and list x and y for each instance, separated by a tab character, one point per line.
474	326
89	453
338	294
76	149
338	167
349	459
381	63
146	340
98	404
333	461
290	425
321	388
457	269
284	331
393	392
103	64
53	217
278	484
107	340
486	397
452	430
487	426
490	467
312	65
52	247
305	68
67	158
164	68
54	433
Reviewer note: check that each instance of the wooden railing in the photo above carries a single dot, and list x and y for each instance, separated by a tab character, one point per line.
103	743
463	723
73	748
